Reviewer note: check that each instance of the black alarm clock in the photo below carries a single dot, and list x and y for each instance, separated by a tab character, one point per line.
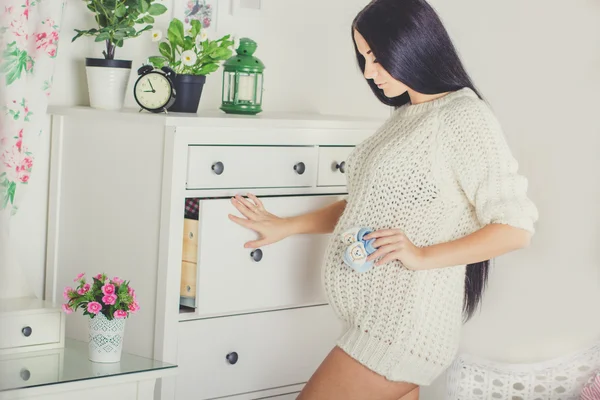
154	90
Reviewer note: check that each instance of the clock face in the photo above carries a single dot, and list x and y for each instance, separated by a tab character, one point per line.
153	91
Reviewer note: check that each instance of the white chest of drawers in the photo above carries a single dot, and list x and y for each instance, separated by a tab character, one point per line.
29	324
258	323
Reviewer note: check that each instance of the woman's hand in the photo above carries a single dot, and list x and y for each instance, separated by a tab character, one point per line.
392	244
270	228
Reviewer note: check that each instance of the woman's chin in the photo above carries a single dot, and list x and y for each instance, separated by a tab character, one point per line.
390	96
391	93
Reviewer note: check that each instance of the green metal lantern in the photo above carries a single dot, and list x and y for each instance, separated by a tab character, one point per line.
243	81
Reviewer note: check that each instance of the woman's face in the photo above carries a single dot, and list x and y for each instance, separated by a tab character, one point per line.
373	70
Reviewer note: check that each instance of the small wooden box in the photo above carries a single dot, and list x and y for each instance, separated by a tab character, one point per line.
187	292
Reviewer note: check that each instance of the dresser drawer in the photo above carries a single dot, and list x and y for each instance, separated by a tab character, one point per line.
219	167
232	355
332	163
234	279
29	329
29	371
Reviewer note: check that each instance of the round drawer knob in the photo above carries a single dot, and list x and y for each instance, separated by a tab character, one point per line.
25	374
218	168
232	358
341	166
26	331
257	255
300	168
188	288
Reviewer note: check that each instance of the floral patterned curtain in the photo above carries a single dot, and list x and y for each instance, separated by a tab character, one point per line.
29	34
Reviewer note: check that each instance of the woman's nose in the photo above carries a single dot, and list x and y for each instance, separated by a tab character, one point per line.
370	72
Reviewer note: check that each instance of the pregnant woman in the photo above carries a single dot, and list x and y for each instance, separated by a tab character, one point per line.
440	191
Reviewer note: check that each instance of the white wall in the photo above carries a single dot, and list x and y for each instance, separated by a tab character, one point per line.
537	62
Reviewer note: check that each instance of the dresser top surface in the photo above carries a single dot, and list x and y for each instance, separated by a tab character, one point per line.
25	305
219	118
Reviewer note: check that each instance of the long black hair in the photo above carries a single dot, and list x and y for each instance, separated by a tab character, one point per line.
412	45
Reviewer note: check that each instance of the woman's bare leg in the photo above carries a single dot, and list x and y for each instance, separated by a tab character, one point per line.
414	395
340	377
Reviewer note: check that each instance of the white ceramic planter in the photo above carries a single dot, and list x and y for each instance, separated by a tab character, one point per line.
106	339
107	82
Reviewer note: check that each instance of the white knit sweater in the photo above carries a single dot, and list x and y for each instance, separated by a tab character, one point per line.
438	171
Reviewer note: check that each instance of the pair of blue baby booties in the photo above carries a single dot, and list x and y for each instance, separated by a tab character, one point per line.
355	255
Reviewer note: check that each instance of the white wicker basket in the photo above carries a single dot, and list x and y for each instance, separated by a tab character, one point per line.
473	378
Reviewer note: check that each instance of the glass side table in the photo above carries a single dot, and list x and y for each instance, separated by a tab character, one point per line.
67	374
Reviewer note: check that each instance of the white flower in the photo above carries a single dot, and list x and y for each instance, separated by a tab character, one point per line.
188	31
188	58
201	38
156	35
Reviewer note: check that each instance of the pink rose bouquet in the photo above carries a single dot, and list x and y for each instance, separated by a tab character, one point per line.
112	297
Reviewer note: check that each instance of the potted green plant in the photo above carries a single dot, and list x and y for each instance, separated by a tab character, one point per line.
193	56
117	20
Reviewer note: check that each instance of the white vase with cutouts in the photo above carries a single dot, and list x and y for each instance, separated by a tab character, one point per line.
106	339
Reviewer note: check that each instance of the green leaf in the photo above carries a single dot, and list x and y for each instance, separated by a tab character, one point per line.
102	21
196	28
109	4
175	32
165	49
188	43
119	35
146	28
157	61
148	19
157	9
208	69
102	37
226	43
144	6
120	11
221	54
79	34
